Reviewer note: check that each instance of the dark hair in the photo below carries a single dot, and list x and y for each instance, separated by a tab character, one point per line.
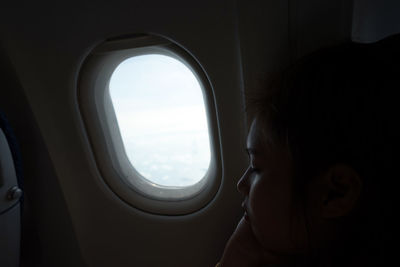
337	106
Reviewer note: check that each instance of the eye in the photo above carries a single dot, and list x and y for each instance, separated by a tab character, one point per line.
253	169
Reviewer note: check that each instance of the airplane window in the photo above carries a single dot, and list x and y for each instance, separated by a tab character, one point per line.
149	111
161	115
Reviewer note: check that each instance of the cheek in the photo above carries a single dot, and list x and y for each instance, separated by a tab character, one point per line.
272	220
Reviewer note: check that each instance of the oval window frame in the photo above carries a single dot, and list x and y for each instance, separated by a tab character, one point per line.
107	147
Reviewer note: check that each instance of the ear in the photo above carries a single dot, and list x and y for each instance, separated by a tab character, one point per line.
342	190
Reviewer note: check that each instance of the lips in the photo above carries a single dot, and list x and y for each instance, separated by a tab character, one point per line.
246	217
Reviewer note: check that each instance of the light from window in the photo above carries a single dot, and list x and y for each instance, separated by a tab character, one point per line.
161	115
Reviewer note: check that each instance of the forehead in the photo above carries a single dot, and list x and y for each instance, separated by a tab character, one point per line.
259	137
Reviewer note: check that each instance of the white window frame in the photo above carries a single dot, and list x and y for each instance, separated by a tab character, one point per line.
106	142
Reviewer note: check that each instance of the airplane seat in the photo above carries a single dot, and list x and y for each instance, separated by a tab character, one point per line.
375	20
10	196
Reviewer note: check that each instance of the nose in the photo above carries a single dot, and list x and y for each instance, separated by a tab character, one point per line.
243	185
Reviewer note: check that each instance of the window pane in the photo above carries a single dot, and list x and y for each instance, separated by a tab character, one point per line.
162	119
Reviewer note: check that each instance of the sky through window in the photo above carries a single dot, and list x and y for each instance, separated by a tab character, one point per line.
162	119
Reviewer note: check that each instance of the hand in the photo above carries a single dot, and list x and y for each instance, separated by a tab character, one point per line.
243	249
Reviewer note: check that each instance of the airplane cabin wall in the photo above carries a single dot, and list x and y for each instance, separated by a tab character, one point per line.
275	33
48	237
80	221
47	44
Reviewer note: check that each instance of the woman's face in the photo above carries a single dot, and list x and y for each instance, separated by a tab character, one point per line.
267	187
